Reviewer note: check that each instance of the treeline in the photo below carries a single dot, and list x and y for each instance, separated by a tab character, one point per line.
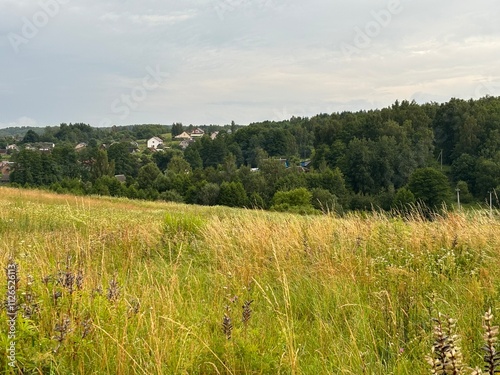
382	158
79	132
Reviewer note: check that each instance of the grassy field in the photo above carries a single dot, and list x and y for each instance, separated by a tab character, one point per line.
112	286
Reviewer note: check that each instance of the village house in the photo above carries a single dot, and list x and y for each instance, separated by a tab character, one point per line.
185	143
155	142
214	135
46	146
182	137
197	133
80	146
5	168
133	147
121	177
41	146
12	147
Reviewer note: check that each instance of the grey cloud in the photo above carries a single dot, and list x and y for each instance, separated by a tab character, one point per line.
242	60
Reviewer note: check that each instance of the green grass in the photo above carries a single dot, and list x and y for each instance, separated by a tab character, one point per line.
350	295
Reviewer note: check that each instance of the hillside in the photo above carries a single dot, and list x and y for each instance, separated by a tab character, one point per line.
351	161
19	131
114	286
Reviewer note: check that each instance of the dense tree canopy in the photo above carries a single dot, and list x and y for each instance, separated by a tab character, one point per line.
430	186
379	158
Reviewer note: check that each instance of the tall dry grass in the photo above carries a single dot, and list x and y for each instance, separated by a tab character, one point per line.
160	284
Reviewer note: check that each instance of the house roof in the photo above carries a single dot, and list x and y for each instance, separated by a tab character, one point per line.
6	163
41	146
184	135
197	133
121	177
155	139
186	142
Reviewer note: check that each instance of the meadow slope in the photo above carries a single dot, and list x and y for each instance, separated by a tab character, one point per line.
113	286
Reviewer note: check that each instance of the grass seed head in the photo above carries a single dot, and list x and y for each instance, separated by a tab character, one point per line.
247	312
490	337
113	290
227	325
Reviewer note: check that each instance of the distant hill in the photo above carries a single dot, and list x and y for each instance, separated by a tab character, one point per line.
20	131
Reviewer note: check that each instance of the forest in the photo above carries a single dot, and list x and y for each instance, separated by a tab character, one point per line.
386	159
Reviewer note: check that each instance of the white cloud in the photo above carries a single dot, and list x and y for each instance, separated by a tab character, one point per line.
149	19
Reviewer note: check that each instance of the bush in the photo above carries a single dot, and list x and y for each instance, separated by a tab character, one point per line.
361	202
430	186
297	201
208	194
296	197
171	196
325	201
233	194
403	200
256	201
465	195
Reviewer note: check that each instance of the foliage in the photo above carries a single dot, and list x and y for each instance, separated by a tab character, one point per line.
362	158
148	175
111	285
465	195
404	199
208	194
296	200
232	194
430	186
325	201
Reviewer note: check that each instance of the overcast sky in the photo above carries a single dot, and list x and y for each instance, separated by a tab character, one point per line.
105	62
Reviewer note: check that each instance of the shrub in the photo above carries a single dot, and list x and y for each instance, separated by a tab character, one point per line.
297	201
233	194
404	199
325	201
430	186
171	196
296	197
